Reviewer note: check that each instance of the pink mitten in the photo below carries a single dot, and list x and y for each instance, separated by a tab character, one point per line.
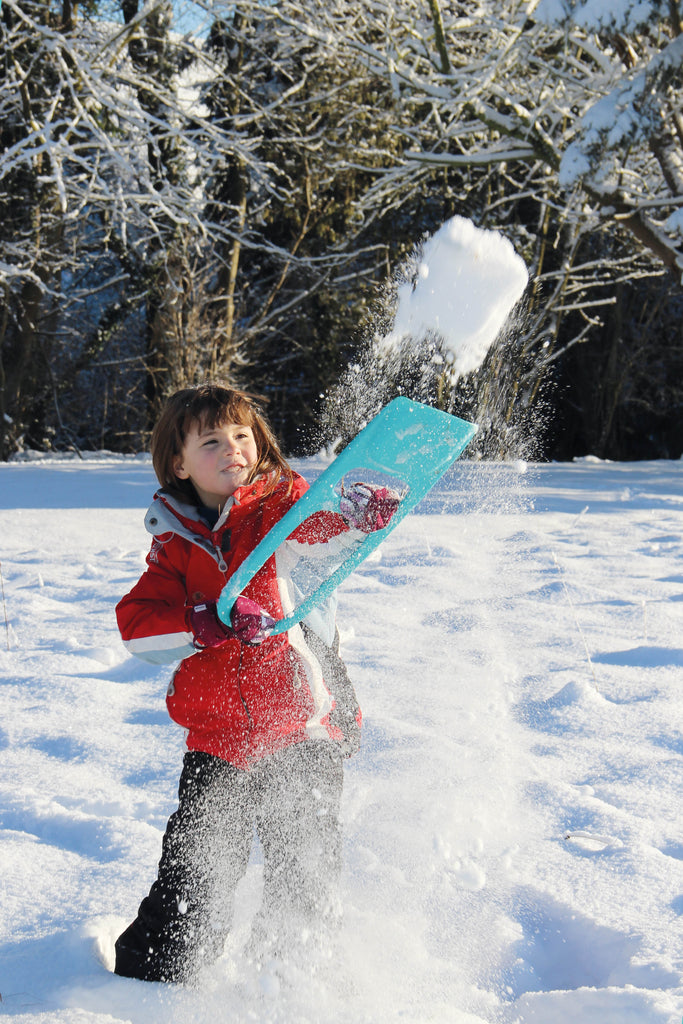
250	622
207	628
368	507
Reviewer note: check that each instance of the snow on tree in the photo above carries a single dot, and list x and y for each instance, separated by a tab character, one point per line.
564	121
85	129
174	205
587	93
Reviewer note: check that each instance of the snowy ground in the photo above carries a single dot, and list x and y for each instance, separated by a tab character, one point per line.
514	835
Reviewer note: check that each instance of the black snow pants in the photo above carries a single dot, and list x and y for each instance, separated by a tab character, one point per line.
292	799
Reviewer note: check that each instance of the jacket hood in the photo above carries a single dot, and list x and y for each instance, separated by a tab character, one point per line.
168	514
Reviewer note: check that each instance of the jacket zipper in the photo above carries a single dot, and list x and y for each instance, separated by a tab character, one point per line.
223	567
239	690
222	564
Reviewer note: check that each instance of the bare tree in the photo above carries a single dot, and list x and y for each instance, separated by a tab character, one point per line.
105	150
178	205
565	132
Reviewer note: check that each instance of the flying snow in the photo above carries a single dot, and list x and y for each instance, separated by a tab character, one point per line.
467	282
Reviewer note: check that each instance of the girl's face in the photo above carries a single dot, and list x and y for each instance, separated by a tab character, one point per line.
217	460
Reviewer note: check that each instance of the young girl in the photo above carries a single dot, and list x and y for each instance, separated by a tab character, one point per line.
268	719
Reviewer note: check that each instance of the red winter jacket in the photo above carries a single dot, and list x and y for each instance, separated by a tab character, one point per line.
237	702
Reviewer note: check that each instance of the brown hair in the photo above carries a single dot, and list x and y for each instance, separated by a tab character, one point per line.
211	405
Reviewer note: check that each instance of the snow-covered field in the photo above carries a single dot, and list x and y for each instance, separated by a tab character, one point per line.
514	821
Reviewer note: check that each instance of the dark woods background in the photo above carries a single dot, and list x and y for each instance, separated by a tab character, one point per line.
232	190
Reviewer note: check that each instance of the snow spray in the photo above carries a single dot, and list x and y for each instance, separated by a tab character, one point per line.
452	299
